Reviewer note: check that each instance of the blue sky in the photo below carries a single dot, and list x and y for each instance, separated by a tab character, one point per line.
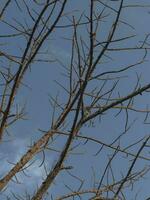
41	84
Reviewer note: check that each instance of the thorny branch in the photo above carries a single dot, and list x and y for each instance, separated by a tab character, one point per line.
93	92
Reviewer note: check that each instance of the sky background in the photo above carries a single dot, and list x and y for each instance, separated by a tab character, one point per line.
41	84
